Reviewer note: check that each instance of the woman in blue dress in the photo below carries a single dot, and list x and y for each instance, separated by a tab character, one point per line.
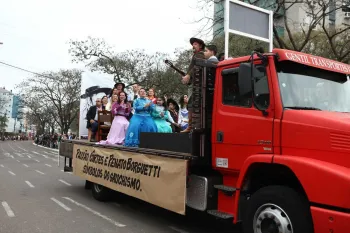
141	121
160	114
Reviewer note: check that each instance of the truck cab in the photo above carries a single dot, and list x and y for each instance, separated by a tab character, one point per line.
280	133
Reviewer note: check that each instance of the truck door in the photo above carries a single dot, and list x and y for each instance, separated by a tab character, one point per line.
240	129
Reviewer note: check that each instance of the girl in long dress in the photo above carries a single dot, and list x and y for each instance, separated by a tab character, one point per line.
121	110
160	114
141	121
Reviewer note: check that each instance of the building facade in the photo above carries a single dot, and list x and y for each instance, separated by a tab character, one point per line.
299	15
9	106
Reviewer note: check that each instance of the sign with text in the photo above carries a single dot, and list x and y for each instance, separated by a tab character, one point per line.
249	21
310	60
154	179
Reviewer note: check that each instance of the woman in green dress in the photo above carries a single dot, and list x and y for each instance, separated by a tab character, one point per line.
160	114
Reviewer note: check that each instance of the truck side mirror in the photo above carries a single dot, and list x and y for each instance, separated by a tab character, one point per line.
245	78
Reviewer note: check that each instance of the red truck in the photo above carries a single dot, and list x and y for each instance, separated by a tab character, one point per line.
269	148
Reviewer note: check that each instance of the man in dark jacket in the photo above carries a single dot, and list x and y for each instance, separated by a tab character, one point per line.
198	46
92	118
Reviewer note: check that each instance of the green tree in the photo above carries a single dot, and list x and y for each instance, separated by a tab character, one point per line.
131	66
39	113
3	124
52	97
3	101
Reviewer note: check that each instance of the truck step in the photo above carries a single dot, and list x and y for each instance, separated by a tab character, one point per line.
67	169
220	214
228	190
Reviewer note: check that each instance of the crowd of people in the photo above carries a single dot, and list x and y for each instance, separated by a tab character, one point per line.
20	137
52	140
142	111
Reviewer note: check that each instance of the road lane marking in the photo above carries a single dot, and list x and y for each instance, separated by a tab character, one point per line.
42	173
50	153
48	165
25	165
37	160
45	156
95	212
19	155
64	182
21	148
29	184
61	204
8	210
12	148
12	173
18	161
1	165
45	147
29	156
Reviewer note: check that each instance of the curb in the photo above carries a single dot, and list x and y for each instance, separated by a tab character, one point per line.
56	150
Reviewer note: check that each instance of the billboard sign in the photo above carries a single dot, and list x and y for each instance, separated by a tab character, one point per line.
249	21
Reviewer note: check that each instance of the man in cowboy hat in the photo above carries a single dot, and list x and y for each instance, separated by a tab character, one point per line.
119	86
198	46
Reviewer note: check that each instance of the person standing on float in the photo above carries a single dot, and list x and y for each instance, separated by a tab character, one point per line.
198	46
141	121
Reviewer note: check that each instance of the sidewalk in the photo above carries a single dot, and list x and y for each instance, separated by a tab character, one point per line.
56	150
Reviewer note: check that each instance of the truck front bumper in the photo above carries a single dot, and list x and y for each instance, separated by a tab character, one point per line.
326	221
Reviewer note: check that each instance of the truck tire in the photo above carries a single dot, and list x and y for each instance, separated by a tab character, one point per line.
100	192
277	209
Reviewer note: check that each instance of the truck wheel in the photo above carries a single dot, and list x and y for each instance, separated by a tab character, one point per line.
277	209
100	192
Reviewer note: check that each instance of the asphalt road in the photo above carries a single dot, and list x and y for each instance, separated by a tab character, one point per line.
37	196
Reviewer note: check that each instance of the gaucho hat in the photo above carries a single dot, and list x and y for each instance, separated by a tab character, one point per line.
116	84
174	103
199	41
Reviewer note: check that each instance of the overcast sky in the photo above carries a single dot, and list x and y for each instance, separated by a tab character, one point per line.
35	33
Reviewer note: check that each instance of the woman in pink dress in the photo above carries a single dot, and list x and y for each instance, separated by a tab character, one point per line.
121	110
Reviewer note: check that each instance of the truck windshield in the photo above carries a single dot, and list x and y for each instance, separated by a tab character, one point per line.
309	88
